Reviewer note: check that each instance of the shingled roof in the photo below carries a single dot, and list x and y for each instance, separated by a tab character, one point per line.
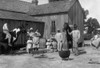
16	16
52	7
16	10
15	5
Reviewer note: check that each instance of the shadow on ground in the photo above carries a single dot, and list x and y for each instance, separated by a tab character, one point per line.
67	59
82	52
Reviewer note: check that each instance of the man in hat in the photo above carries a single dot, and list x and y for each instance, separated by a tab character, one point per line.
6	31
30	32
59	38
76	36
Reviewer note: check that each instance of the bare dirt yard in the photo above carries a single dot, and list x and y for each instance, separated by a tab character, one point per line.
89	58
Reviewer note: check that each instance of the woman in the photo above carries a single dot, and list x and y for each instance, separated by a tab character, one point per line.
69	37
36	39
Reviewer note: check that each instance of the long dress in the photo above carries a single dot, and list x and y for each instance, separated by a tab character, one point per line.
65	42
35	42
69	37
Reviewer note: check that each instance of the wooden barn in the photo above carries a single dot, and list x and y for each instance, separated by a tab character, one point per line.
11	13
55	14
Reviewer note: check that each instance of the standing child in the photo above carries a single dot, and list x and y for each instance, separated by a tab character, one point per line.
59	38
29	45
76	36
49	44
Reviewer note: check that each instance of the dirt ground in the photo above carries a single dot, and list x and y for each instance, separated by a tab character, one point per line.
89	58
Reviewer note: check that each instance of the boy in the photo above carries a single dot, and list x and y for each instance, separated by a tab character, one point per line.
59	38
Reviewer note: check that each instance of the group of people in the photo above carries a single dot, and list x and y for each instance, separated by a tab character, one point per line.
62	35
33	37
8	34
33	40
55	42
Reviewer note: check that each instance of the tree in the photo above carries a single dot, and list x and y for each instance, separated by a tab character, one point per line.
92	25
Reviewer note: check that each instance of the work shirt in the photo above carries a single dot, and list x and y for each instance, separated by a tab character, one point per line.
59	37
75	35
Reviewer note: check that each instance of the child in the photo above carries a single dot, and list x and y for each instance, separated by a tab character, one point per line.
54	42
29	45
59	38
49	44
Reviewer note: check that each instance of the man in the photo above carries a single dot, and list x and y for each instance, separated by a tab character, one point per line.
8	35
59	38
30	32
76	36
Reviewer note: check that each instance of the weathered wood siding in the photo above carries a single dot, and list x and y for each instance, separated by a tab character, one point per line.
76	17
59	19
73	16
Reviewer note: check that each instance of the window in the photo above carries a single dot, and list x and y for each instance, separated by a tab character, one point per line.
53	27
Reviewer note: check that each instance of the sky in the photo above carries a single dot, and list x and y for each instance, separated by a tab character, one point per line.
91	5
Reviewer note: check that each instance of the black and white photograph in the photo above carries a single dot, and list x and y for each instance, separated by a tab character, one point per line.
49	33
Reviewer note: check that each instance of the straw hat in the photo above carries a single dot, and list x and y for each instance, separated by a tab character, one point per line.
31	28
48	40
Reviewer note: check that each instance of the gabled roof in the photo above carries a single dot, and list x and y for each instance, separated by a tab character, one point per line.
15	5
52	7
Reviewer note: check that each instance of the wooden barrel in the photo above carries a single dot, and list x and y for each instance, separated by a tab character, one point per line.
42	43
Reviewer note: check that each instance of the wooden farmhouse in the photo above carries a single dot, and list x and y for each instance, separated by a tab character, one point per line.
47	18
55	14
